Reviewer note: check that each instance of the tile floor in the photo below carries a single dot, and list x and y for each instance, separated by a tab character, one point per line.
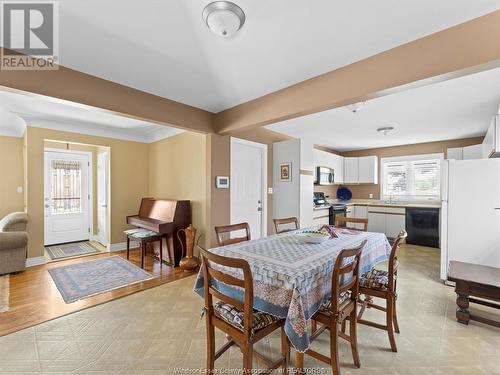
159	330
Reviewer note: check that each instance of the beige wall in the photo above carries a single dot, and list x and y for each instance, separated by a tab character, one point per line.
364	191
11	175
177	170
129	180
219	147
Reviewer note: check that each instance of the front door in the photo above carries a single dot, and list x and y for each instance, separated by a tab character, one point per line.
66	201
246	183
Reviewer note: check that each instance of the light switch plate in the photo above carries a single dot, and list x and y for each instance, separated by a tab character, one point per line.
269	190
19	189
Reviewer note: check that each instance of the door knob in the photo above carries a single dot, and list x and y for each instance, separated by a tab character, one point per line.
104	206
259	209
47	206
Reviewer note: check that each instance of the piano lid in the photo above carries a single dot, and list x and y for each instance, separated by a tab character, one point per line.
157	209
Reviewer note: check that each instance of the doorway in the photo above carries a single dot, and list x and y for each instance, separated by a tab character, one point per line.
248	185
68	196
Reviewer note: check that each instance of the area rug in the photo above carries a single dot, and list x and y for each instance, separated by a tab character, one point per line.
70	250
4	293
81	280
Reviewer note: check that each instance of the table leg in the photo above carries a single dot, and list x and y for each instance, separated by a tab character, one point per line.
143	252
161	252
299	362
462	314
128	247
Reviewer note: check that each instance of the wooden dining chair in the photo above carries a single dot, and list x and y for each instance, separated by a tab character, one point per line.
341	306
352	220
287	224
220	231
243	325
382	284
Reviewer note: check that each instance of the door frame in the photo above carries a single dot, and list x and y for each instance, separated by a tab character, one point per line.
107	240
263	148
89	180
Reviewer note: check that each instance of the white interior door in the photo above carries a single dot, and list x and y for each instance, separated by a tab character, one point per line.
102	198
248	182
66	201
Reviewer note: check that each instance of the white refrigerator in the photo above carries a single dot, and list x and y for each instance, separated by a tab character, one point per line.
470	222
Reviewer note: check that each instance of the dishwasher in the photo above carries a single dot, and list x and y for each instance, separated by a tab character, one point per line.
422	225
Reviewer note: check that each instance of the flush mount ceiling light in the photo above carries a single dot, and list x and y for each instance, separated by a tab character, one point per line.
355	107
223	18
385	130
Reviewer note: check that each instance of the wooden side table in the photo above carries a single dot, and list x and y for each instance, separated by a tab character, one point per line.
144	240
478	281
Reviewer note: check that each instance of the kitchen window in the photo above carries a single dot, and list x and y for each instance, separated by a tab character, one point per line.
416	177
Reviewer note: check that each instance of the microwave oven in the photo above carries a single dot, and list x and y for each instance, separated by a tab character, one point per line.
325	176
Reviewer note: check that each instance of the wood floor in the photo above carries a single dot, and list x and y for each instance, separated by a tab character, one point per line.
34	298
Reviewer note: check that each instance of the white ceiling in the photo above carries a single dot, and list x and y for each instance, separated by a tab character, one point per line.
163	46
17	110
453	109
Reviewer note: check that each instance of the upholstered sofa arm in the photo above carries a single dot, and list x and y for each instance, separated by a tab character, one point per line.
15	221
13	240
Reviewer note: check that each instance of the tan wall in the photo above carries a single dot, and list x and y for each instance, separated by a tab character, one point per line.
364	191
177	170
219	147
129	180
11	175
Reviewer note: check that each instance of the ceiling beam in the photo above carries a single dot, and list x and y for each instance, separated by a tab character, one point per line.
79	88
463	49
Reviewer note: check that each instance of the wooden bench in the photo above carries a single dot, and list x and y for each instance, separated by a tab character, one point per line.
473	280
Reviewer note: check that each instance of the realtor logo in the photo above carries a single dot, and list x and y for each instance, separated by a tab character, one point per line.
29	35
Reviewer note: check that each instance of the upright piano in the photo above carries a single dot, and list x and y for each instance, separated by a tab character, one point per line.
166	217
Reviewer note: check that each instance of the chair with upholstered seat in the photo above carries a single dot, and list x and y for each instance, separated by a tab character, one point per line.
341	306
382	284
243	326
286	225
223	233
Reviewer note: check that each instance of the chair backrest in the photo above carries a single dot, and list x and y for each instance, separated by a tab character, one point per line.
284	222
227	229
210	274
345	277
393	260
353	220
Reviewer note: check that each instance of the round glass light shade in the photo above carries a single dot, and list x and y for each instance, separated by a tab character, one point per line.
223	18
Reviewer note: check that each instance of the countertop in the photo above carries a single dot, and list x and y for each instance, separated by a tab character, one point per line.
380	203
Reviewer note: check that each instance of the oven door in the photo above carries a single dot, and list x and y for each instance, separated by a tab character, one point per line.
336	213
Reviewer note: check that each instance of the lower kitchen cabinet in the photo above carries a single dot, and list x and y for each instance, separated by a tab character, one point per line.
376	221
387	220
394	222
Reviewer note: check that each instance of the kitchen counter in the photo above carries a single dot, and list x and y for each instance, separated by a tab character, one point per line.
380	203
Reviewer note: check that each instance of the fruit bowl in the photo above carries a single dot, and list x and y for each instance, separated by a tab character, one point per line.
312	236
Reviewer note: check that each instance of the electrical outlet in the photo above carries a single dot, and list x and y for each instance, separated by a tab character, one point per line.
269	190
371	196
19	189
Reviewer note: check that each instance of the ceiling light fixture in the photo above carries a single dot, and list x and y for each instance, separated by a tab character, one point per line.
355	107
223	18
385	130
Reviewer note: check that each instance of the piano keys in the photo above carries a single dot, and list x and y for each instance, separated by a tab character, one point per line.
166	217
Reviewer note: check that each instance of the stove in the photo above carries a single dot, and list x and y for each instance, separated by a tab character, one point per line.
335	210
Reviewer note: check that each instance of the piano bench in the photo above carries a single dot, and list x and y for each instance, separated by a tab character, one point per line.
144	237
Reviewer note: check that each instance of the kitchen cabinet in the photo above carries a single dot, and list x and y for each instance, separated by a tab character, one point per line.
387	220
368	170
455	153
466	153
321	217
333	161
351	170
491	142
361	170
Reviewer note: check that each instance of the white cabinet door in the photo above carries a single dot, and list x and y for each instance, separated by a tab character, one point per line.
351	211
361	212
351	170
321	221
454	153
368	170
394	222
338	166
473	152
376	221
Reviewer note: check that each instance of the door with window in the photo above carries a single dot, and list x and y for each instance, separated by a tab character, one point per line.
67	199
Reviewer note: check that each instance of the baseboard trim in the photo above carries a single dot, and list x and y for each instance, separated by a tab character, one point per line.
35	261
119	246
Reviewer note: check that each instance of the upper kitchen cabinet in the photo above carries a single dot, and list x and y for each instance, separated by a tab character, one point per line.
332	161
491	142
351	170
466	153
362	170
368	170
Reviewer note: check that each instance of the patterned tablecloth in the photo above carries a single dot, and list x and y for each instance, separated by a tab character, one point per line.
291	279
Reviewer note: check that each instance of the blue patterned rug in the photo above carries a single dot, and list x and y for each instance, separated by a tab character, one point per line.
86	279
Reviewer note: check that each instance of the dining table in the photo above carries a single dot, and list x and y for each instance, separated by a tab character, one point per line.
292	278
